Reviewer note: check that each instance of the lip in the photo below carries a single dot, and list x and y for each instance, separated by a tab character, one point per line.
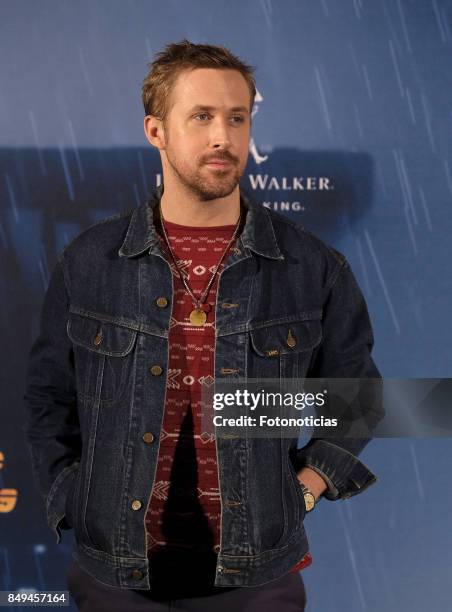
219	163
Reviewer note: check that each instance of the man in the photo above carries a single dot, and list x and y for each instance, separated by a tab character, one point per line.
136	324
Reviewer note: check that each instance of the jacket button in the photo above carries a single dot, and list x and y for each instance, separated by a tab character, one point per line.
156	370
137	574
216	548
161	302
290	339
136	504
148	437
98	338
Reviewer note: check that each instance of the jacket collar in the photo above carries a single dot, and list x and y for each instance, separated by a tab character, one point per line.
258	234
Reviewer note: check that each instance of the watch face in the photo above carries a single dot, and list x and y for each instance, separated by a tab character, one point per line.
309	501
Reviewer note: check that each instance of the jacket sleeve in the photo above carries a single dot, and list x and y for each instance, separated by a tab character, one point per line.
52	426
345	352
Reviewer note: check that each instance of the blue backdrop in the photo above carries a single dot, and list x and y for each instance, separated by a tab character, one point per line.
351	137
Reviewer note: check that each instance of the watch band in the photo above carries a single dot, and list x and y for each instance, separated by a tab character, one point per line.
309	498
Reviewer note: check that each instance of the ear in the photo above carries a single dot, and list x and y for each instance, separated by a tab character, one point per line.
154	131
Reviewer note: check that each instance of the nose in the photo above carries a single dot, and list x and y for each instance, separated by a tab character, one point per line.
219	136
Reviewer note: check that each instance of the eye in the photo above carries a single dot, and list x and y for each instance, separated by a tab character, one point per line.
236	118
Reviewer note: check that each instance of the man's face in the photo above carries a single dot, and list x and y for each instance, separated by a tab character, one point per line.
209	119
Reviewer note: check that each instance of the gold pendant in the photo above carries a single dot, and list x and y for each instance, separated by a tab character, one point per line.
198	317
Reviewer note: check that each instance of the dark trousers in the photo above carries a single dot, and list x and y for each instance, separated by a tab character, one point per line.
285	594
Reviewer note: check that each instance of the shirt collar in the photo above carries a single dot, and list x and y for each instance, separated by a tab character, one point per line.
258	234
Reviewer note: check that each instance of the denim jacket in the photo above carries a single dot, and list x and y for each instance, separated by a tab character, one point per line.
96	380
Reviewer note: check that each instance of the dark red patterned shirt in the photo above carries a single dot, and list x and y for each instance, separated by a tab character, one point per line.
184	511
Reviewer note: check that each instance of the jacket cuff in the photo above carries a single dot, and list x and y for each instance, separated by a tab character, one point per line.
56	499
343	472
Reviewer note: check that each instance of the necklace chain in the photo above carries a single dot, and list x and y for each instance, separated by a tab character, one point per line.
197	301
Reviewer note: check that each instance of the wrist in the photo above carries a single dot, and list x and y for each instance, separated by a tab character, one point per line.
313	481
309	498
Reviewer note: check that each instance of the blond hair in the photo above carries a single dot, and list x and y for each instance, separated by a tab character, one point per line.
177	57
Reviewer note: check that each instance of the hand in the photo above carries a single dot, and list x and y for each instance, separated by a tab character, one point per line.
313	481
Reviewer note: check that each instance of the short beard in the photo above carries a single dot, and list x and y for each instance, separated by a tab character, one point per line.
199	187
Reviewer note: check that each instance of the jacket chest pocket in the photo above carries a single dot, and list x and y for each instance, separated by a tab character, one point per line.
284	350
103	357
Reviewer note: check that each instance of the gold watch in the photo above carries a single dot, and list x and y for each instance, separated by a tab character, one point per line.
309	499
